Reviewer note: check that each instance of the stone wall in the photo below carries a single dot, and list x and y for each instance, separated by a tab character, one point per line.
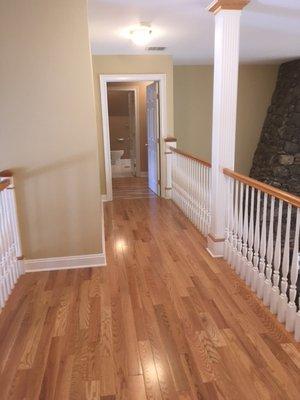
277	157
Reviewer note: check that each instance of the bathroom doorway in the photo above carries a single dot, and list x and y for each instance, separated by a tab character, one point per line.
125	130
134	120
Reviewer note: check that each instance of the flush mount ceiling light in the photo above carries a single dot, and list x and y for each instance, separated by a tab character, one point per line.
141	35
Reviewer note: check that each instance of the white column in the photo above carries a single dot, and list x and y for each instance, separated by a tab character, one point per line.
226	62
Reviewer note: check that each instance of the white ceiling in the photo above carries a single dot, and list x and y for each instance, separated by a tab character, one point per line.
270	29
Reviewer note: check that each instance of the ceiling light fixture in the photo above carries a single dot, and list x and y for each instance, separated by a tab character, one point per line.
141	35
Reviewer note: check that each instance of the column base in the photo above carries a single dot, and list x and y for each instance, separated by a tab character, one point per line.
215	246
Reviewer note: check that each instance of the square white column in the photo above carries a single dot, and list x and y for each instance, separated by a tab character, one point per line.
226	64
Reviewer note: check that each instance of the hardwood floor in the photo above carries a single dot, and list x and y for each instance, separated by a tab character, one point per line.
162	321
131	188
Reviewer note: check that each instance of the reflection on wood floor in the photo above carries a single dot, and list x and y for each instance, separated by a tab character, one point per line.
163	320
131	188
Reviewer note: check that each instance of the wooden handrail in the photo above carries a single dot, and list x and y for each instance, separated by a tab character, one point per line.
6	174
191	156
264	187
4	184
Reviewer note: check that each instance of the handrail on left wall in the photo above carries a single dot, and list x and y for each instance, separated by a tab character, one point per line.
11	265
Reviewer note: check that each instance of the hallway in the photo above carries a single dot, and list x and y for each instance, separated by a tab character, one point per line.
131	188
163	320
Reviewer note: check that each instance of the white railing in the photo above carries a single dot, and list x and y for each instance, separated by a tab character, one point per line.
10	247
191	187
262	244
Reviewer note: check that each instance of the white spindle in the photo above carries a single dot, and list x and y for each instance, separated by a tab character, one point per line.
245	236
282	304
250	241
227	222
233	260
253	251
239	257
291	308
270	251
10	246
191	189
277	262
256	244
262	250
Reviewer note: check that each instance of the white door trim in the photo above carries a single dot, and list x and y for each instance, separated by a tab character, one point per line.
104	80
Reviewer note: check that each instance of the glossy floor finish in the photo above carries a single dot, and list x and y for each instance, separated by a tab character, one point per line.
162	321
131	188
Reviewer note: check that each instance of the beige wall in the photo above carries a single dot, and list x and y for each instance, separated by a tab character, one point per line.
48	129
131	65
193	86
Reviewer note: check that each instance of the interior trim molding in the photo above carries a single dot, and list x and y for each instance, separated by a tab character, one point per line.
234	5
69	262
104	80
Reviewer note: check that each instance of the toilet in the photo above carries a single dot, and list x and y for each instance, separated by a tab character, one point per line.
116	156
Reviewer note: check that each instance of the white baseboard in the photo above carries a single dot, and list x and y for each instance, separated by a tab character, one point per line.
71	262
143	174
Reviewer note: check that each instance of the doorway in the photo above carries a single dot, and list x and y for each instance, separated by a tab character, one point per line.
134	121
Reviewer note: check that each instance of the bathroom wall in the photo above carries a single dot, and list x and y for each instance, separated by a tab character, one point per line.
119	121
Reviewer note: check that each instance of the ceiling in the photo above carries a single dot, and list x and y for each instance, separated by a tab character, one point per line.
270	29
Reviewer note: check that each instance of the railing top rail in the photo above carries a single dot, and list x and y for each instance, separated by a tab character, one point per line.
4	184
191	156
272	191
6	173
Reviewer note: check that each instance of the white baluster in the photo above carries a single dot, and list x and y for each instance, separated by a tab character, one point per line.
207	216
250	241
245	236
256	244
209	197
277	262
202	200
297	323
282	303
235	225
227	218
270	251
188	181
291	308
239	256
2	261
197	196
262	250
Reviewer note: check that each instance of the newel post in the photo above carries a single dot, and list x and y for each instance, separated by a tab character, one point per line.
169	142
226	61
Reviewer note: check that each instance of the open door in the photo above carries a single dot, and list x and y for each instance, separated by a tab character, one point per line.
153	137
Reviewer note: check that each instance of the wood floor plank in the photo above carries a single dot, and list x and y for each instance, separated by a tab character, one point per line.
162	321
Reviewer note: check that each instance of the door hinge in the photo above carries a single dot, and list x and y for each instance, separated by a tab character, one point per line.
158	181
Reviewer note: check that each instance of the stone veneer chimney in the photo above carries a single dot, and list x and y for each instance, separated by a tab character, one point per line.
277	157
